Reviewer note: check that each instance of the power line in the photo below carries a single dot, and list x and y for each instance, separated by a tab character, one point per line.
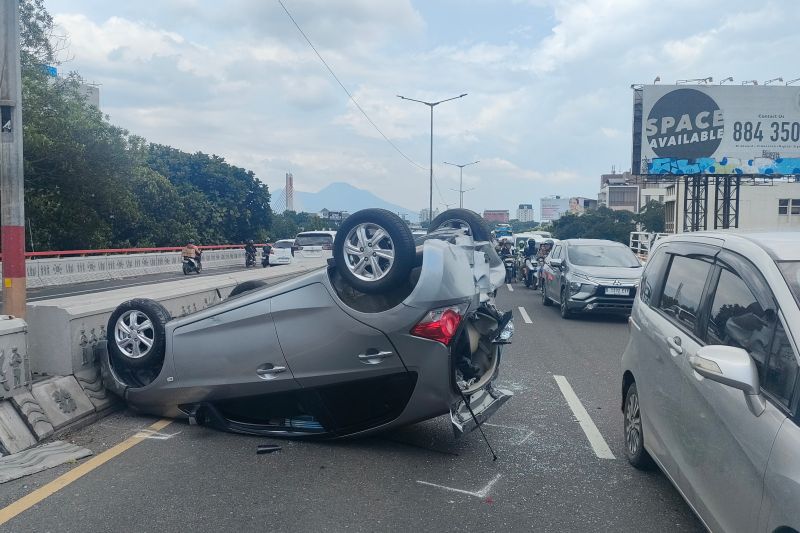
352	99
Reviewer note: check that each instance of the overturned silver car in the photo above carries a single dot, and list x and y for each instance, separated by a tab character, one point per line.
392	332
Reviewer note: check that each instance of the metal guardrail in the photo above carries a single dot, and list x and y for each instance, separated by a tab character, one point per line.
641	242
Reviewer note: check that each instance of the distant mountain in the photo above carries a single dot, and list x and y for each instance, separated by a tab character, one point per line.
340	196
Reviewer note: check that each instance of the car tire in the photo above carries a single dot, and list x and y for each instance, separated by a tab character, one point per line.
136	333
565	313
545	300
463	218
356	251
633	437
247	286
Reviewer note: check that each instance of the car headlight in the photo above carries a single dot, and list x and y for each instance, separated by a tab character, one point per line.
579	283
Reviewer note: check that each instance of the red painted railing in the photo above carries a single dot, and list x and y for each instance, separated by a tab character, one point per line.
110	251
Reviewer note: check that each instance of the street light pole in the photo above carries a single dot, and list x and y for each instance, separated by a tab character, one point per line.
12	192
461	190
431	105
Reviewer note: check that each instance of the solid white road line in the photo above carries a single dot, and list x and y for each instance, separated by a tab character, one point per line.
597	441
478	494
525	316
510	288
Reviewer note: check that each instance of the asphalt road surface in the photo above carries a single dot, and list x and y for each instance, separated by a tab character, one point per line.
553	473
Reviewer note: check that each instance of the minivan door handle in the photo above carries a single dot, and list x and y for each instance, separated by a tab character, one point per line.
675	345
373	357
269	371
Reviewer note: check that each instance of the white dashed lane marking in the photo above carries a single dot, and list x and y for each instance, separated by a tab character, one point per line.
596	440
525	316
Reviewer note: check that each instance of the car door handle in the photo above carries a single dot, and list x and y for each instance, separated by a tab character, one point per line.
373	358
269	371
675	344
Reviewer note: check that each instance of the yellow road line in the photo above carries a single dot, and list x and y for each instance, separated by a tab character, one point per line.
28	501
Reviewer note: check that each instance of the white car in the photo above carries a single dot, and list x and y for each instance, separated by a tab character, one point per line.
710	385
281	253
314	244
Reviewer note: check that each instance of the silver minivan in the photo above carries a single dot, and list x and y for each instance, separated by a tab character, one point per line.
709	377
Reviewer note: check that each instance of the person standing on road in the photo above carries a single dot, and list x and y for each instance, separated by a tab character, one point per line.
192	252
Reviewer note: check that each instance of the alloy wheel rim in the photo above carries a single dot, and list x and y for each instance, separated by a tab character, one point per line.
369	251
633	425
134	334
456	223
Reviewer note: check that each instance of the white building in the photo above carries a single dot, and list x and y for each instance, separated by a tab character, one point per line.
525	213
424	214
768	207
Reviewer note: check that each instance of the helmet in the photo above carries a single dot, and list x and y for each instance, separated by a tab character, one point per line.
548	242
531	242
250	241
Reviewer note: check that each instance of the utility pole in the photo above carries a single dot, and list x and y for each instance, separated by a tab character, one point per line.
430	183
461	190
12	191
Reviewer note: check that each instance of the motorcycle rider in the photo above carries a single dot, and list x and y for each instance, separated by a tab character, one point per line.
250	249
190	251
505	253
530	261
545	248
265	252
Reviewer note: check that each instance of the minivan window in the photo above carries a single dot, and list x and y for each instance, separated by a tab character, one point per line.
602	255
781	371
791	273
650	277
737	319
683	289
314	239
283	244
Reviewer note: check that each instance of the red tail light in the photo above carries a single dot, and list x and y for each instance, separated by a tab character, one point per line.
327	247
440	325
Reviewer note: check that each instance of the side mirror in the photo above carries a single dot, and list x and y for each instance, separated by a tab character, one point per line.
732	367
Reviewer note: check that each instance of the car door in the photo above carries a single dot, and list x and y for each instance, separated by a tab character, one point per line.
668	332
552	274
726	445
232	352
324	345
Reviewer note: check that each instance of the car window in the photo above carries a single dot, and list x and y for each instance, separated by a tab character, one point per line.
651	276
314	239
683	289
781	371
738	319
602	255
791	272
283	244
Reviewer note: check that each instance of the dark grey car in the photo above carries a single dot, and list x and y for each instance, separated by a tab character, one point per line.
390	333
591	276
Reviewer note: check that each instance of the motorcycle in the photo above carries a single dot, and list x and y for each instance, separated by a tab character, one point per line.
264	259
191	264
539	274
510	266
249	259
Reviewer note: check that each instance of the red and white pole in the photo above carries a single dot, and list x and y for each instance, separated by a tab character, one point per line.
12	190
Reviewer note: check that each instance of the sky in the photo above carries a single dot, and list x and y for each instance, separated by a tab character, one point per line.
548	106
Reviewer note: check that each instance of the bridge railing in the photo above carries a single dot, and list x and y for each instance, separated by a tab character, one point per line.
64	267
641	242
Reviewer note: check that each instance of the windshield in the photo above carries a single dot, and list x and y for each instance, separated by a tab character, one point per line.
314	239
283	244
599	255
791	272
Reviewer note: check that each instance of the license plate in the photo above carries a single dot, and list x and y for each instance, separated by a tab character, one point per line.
617	291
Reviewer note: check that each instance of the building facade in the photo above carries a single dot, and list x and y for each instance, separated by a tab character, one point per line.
772	206
424	215
525	213
496	215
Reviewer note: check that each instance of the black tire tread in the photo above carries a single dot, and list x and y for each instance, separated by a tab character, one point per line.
247	286
480	230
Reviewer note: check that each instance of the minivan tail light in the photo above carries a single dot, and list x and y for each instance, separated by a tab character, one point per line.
440	324
327	246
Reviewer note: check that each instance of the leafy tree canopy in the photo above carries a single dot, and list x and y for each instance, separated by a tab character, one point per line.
598	223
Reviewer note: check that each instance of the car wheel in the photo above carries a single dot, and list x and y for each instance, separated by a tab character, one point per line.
564	309
545	300
634	438
374	250
247	286
136	337
463	219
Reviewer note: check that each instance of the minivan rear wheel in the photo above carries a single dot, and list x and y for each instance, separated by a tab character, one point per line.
634	438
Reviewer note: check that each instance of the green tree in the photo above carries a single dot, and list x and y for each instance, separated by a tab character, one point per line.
599	223
651	217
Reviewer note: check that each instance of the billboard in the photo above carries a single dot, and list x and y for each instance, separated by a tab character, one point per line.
552	208
717	129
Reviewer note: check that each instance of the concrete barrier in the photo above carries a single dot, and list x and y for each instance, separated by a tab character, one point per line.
15	370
